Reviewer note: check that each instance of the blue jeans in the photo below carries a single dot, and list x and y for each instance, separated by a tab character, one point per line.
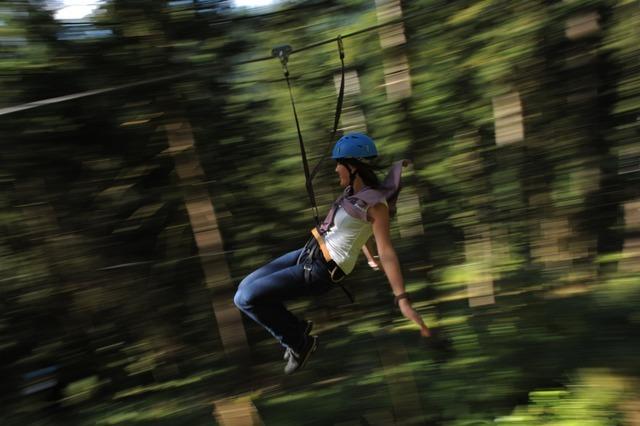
261	295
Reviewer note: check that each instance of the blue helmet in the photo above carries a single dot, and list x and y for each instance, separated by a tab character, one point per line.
354	145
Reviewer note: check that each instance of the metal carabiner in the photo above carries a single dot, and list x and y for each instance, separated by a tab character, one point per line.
282	53
333	272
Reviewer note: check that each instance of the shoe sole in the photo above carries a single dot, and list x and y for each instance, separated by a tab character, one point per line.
314	346
303	361
307	330
309	327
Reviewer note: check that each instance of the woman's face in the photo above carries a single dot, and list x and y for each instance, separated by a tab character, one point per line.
343	174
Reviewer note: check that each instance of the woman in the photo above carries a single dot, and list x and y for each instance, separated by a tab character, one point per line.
364	209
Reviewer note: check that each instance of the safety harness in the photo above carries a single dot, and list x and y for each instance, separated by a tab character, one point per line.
355	205
315	246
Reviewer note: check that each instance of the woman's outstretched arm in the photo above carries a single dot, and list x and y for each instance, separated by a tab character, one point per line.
379	215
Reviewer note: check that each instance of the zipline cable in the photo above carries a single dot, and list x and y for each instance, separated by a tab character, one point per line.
89	93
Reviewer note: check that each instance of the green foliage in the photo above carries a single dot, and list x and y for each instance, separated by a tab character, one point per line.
591	401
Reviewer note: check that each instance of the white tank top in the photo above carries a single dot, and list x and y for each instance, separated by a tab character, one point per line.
345	239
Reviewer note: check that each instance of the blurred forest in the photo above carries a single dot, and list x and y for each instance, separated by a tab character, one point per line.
130	214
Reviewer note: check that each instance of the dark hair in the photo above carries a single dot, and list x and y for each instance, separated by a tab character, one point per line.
366	171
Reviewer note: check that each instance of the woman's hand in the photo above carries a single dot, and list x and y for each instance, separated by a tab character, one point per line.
372	260
409	313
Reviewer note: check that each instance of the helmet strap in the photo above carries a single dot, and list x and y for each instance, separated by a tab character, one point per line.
352	178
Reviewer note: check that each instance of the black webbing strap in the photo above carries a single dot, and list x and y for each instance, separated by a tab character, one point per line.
282	53
347	292
336	119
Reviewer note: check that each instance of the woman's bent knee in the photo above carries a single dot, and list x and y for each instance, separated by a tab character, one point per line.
243	298
239	299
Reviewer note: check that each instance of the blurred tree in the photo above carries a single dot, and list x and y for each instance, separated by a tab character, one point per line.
127	308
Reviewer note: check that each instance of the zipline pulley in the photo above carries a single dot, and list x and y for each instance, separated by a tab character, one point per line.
282	53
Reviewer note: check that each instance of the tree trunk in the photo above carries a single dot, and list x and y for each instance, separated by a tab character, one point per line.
204	223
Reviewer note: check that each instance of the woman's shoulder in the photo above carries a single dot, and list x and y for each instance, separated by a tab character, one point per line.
358	204
373	203
371	196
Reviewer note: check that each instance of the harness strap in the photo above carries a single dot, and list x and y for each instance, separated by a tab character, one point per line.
336	118
347	292
283	55
282	52
310	248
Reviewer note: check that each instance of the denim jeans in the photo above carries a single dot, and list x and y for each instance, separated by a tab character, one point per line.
261	295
